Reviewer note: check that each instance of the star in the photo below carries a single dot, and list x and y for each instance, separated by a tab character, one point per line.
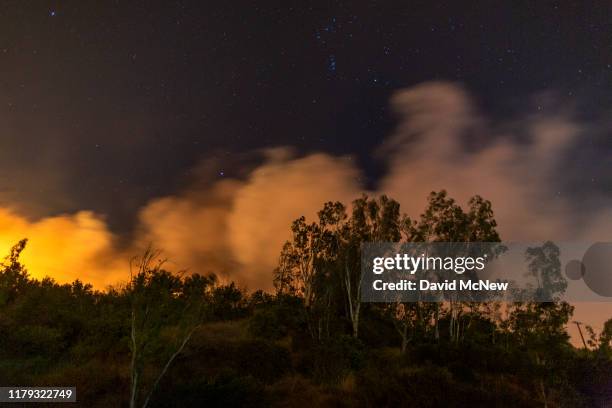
332	63
52	13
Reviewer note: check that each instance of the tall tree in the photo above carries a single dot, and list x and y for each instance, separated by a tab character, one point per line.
324	255
304	266
540	327
445	221
372	220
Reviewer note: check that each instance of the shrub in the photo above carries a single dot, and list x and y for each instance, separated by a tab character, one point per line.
224	390
329	362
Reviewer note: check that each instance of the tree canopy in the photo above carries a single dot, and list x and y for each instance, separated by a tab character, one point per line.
168	339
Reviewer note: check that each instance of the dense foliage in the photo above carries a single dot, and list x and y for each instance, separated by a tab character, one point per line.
176	340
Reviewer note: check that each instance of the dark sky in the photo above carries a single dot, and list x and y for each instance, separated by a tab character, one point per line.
105	105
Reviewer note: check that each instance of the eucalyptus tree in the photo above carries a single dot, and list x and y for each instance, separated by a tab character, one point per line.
322	259
539	327
445	221
372	220
306	262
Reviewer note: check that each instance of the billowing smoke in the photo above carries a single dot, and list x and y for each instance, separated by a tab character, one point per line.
236	228
442	142
66	247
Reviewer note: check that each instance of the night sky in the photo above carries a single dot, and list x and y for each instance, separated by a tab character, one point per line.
106	105
204	128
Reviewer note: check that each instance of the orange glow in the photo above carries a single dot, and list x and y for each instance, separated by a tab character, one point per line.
65	247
